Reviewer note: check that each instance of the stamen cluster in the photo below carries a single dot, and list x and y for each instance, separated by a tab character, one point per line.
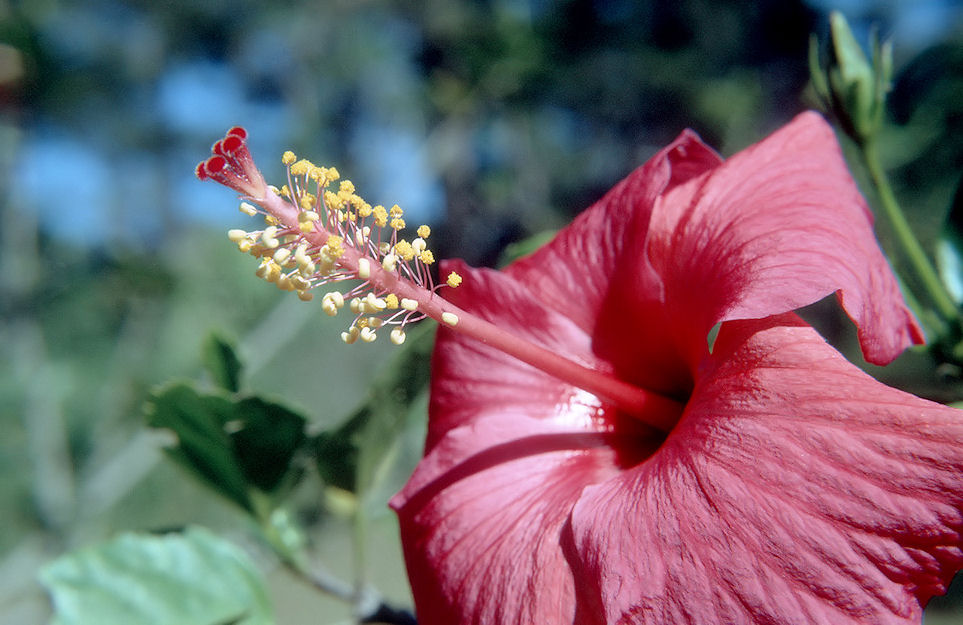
338	236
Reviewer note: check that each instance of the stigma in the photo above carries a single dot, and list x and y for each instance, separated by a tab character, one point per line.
318	231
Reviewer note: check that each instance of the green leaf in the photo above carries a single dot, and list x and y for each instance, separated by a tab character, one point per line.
231	444
220	359
194	578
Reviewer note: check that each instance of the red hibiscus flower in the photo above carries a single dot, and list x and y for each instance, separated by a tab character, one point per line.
781	486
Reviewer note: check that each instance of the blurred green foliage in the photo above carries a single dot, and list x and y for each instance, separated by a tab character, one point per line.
497	119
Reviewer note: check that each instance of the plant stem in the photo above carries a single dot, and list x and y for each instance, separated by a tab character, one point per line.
919	263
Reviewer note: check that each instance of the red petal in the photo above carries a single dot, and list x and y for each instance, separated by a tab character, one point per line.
482	520
778	226
795	490
594	272
472	381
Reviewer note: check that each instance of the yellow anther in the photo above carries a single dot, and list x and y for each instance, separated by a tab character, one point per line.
333	299
427	257
396	211
391	300
245	246
331	200
308	216
424	231
454	280
302	167
271	220
375	322
328	307
374	304
346	187
384	247
364	268
285	192
368	335
268	237
397	336
333	174
449	318
308	201
398	223
288	157
299	283
281	255
247	209
273	272
388	262
409	304
356	305
404	250
419	245
380	216
365	210
305	296
284	283
236	235
351	335
306	227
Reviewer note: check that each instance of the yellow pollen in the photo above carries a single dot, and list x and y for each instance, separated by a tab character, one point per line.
398	223
380	216
404	250
396	211
391	300
247	209
449	318
302	167
365	210
427	257
424	231
288	157
454	280
332	174
236	235
346	187
308	201
409	304
388	262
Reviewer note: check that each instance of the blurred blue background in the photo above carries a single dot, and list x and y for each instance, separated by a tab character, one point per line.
491	120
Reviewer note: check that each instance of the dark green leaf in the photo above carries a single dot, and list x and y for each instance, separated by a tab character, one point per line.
233	445
220	359
265	437
194	578
203	445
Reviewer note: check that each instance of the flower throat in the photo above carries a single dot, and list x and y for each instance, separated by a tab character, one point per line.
315	236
